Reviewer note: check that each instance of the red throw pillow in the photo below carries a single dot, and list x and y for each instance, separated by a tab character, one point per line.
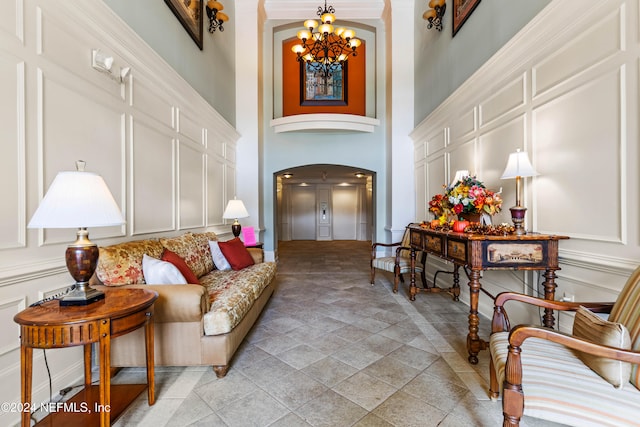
181	265
236	253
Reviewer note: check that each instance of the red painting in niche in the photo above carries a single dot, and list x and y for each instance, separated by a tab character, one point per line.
292	98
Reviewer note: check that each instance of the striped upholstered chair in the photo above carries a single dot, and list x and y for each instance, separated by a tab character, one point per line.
399	263
570	379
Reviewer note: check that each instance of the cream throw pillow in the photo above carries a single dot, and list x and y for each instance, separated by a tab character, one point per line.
591	327
158	272
219	259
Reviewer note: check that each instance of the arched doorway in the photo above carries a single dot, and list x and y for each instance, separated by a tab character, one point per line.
325	202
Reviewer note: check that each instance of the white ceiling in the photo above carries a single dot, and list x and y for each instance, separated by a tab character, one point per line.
306	9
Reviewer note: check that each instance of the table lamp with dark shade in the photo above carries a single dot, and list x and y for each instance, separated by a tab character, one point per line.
518	167
78	199
235	209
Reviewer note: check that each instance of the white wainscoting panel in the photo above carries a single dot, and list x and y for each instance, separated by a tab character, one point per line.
462	126
191	178
56	109
566	90
577	137
12	160
505	100
153	166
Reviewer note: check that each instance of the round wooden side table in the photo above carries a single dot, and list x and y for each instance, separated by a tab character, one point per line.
51	326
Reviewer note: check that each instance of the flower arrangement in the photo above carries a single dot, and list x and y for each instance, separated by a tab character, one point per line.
468	195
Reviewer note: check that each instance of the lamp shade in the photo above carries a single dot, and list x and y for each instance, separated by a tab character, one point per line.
518	165
235	209
77	200
460	175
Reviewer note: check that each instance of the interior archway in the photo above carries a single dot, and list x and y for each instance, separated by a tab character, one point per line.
324	202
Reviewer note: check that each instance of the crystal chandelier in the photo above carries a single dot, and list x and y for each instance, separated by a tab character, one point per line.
325	50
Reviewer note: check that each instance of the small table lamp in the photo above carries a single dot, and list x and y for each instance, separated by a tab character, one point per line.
235	209
460	175
518	167
79	200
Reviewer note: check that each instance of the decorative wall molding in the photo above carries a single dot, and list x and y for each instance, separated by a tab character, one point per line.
167	155
565	89
325	122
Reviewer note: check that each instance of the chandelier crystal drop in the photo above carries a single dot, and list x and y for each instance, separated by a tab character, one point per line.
323	48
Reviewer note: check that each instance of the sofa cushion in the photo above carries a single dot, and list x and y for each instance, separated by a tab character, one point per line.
219	260
543	363
236	253
589	326
232	293
202	246
188	249
121	264
180	263
625	311
160	272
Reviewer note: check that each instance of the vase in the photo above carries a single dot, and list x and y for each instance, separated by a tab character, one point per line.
476	217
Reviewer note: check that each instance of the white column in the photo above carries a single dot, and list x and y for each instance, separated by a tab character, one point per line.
400	153
248	24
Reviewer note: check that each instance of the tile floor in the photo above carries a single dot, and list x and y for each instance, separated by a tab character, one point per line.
331	350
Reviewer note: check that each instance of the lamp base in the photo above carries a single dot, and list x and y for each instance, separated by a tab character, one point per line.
517	216
82	258
83	294
235	229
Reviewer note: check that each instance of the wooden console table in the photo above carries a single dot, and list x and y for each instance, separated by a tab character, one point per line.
50	326
478	252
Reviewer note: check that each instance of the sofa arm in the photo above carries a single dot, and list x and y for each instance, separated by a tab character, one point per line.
175	303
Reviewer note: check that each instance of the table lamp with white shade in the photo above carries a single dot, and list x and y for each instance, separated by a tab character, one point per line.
78	199
518	167
235	209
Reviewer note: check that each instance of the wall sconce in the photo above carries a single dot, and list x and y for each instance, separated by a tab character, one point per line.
518	167
435	14
104	63
216	18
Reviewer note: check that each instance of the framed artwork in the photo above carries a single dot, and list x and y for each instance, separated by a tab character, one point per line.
462	9
189	13
318	88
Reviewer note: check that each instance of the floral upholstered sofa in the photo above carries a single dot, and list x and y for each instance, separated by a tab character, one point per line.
195	324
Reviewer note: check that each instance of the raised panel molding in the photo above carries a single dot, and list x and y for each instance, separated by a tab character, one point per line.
189	128
191	178
590	134
565	89
12	152
599	43
437	141
464	125
153	181
12	19
507	99
148	101
9	308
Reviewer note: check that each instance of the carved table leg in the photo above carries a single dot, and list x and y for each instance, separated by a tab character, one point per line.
26	360
87	365
413	292
105	373
549	294
474	343
149	349
456	283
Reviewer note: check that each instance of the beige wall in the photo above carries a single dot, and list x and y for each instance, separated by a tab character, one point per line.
166	154
569	97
